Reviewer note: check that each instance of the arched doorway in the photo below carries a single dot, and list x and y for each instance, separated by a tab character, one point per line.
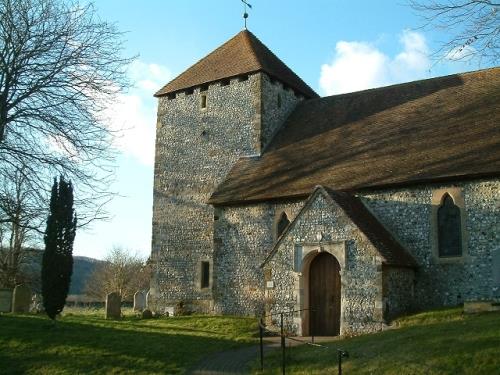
324	295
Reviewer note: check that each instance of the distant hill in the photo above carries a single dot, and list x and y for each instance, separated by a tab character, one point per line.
82	268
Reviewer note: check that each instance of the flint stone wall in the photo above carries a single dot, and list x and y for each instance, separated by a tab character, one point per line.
408	214
398	291
244	236
361	274
195	149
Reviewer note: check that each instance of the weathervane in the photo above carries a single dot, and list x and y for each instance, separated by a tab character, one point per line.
245	14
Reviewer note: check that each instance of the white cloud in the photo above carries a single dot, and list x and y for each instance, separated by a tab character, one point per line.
133	114
361	65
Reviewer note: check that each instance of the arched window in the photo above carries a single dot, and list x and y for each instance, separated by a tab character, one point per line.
282	224
449	228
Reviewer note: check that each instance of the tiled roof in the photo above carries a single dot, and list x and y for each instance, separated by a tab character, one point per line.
242	54
391	251
431	130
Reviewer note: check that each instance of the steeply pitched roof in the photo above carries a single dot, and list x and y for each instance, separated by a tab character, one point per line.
242	54
391	251
430	130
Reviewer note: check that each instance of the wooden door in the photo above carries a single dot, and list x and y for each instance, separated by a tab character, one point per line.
324	295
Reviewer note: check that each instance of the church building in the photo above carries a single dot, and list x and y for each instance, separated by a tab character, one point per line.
350	209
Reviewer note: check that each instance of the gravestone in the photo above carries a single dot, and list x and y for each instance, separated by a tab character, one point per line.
496	268
36	304
148	299
139	301
169	310
21	299
113	306
147	314
5	300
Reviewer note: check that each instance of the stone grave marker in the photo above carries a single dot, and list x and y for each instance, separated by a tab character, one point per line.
5	300
147	314
169	310
36	304
496	268
21	299
113	306
139	301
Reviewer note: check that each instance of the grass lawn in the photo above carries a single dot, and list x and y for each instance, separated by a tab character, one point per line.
436	342
89	344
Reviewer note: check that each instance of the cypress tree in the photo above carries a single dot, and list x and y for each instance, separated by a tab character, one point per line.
57	262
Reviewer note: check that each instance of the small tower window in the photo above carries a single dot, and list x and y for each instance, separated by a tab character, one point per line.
449	228
205	275
279	101
282	224
203	101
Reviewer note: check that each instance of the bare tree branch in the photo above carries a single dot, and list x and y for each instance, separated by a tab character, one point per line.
123	272
60	68
471	29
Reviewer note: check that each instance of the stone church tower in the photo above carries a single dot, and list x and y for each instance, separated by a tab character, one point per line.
226	106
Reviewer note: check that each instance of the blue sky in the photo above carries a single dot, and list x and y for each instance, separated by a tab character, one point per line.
335	46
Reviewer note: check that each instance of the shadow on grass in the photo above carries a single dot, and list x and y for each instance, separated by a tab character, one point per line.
31	344
468	346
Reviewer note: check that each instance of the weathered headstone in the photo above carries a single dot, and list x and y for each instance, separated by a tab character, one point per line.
139	301
169	310
147	314
36	304
5	300
148	299
113	306
21	299
496	268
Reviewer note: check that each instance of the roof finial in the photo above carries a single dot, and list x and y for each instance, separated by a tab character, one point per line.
245	14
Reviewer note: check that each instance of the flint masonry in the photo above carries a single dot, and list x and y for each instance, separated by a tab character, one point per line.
360	206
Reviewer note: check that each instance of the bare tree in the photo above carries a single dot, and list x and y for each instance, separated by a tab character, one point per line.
20	220
471	27
123	272
60	68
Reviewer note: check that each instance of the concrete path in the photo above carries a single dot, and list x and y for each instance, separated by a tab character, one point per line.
238	361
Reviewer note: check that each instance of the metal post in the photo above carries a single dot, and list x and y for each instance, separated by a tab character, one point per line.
261	333
312	328
282	346
341	353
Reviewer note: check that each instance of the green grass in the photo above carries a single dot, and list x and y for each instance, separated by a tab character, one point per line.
436	342
86	343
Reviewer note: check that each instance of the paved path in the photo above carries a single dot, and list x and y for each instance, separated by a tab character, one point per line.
238	361
230	362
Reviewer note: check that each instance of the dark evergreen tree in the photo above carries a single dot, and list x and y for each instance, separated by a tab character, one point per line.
57	263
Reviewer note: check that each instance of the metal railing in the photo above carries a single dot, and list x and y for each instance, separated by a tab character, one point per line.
284	336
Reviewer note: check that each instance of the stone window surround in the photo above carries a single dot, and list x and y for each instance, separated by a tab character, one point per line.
203	102
197	278
437	199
